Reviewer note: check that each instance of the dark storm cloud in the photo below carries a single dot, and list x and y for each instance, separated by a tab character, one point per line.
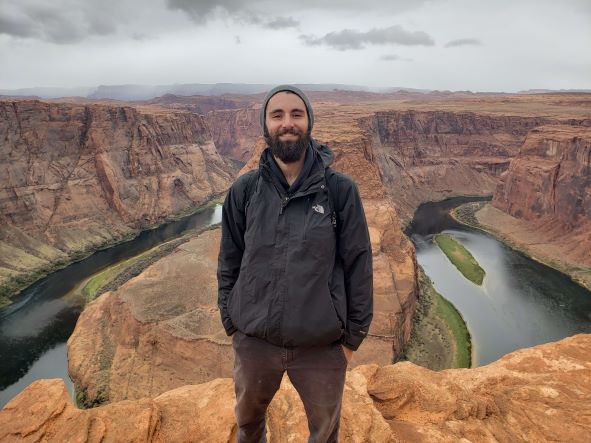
55	22
353	39
18	26
463	42
282	23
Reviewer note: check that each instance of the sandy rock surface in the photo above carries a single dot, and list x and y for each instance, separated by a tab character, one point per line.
538	394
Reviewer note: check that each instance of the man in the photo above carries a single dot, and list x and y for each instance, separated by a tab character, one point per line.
294	272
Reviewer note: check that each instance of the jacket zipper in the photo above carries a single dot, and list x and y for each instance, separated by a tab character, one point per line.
284	203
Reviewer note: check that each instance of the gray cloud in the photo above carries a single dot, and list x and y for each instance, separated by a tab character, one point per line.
237	39
282	22
394	57
140	36
17	26
202	10
56	22
71	21
353	39
463	42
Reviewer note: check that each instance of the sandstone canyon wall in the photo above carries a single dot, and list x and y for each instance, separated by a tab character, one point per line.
235	131
538	394
545	196
77	177
430	155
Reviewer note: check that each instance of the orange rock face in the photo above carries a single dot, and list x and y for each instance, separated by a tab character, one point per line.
235	131
158	331
430	155
546	194
77	177
537	394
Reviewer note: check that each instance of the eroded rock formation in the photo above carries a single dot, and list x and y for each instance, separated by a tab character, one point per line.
545	198
77	177
431	155
159	331
235	131
537	394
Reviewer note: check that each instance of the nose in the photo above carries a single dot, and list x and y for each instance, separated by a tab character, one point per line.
287	121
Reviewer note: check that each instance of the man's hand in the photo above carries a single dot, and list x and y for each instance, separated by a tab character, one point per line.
348	353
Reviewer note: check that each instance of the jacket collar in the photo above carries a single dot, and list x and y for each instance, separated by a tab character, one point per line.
323	157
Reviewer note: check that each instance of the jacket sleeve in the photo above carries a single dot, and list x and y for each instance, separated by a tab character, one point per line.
355	252
231	248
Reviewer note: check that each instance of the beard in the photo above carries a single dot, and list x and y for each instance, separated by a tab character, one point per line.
288	151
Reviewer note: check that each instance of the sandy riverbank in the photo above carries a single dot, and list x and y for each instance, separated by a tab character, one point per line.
515	233
440	337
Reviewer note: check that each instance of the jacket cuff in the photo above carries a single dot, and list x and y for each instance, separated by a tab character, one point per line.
228	326
354	335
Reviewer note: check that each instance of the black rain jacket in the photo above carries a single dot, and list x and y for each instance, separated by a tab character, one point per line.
285	274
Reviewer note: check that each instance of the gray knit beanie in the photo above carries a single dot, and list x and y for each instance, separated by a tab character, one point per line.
289	88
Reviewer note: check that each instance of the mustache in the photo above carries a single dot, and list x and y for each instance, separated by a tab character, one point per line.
292	131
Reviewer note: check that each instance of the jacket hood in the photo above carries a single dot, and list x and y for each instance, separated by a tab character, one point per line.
325	153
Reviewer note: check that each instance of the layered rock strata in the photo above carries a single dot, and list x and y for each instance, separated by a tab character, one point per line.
537	394
235	131
545	199
431	155
75	177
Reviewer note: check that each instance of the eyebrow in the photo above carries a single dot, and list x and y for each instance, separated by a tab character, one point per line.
273	111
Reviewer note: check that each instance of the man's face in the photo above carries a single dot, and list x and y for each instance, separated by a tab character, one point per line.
287	123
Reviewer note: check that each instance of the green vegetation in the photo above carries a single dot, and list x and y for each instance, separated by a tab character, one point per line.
460	258
461	336
97	281
440	337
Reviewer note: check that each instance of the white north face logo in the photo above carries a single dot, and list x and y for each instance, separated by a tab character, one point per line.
318	208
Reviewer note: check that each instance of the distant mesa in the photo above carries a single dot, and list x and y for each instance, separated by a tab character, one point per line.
145	92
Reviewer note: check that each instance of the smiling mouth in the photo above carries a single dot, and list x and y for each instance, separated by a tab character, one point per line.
290	132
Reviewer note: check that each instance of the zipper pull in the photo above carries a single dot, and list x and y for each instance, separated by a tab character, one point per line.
283	204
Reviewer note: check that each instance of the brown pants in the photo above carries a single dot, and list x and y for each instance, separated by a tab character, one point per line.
317	373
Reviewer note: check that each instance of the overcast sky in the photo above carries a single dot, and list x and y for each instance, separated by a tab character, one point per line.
502	45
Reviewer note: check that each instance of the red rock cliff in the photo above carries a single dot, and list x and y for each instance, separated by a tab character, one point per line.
235	131
430	155
76	177
547	193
